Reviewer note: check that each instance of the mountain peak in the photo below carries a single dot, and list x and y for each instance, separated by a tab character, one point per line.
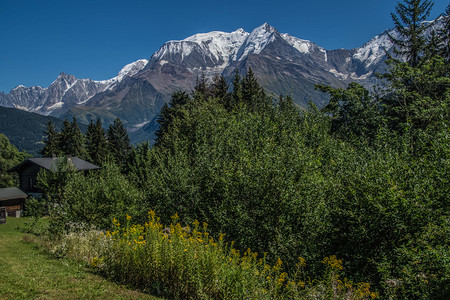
240	30
257	40
19	87
132	68
265	27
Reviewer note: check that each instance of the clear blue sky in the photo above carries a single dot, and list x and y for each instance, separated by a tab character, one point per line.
96	38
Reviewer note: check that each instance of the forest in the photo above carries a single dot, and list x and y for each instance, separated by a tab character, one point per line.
358	189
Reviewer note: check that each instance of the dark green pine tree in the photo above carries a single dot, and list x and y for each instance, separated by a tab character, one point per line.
253	94
179	99
201	89
433	47
163	120
71	140
96	145
51	141
444	36
77	141
220	91
409	20
118	142
168	113
415	97
64	138
220	87
236	95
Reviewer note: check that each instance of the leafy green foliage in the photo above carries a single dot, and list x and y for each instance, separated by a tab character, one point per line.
354	111
106	195
93	199
9	157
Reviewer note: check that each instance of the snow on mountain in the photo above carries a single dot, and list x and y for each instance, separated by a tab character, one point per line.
302	46
257	40
373	51
177	63
132	68
215	49
129	70
64	92
221	45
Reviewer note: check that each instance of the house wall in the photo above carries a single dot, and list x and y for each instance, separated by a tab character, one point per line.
13	206
28	179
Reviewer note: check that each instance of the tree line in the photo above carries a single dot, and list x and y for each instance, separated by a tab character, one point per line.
96	145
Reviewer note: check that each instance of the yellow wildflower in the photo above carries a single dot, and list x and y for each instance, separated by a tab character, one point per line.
278	264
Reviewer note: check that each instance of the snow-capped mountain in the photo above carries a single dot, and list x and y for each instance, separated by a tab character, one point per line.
65	92
283	64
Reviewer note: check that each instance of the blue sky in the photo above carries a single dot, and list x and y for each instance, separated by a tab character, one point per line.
95	39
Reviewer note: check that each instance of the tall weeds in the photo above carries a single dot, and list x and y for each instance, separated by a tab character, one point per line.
187	263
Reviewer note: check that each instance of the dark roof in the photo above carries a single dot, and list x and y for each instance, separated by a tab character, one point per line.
50	163
11	193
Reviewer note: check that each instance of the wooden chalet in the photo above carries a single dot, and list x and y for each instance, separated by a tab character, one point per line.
12	200
29	169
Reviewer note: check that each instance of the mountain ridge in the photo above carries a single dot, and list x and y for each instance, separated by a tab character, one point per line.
283	64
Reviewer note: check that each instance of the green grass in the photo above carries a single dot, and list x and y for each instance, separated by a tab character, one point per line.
28	272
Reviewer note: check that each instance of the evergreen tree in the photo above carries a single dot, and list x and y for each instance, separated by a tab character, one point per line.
444	35
77	141
201	89
253	94
102	144
434	47
220	87
179	99
250	89
64	138
220	91
417	97
409	20
163	120
96	145
118	142
168	113
417	93
71	140
51	141
236	95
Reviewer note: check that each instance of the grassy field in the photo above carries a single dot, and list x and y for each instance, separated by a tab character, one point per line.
27	272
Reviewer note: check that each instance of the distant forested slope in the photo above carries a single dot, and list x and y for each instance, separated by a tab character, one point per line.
25	130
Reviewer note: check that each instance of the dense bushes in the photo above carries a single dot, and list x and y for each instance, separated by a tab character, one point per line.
292	189
291	185
9	157
92	199
187	263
